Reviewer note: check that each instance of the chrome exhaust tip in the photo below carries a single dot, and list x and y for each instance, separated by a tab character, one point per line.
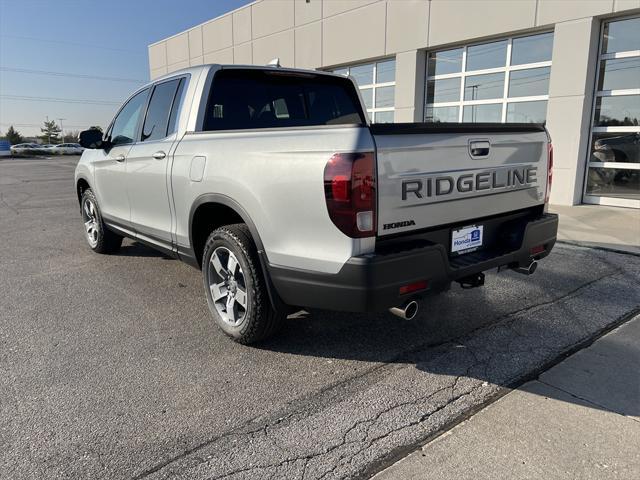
527	270
407	311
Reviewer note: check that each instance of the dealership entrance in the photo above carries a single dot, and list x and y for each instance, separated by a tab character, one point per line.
613	171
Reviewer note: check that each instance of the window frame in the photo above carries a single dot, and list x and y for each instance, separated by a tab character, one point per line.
374	86
139	122
209	87
599	94
463	74
152	89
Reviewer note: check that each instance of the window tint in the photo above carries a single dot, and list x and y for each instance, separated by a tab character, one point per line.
530	82
177	107
442	114
482	113
157	119
489	55
622	36
527	112
362	74
483	87
242	99
447	61
619	73
536	48
124	126
444	90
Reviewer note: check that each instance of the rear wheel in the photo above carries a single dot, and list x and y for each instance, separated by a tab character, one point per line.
235	287
99	237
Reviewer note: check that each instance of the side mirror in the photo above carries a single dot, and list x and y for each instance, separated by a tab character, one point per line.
93	139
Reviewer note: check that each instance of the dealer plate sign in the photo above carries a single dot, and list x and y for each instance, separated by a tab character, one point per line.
467	238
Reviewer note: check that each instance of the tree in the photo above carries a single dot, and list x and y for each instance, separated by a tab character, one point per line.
71	136
50	131
13	136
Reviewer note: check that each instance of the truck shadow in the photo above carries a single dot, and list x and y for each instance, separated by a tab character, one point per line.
502	334
131	248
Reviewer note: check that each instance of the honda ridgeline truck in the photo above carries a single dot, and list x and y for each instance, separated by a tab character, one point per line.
273	182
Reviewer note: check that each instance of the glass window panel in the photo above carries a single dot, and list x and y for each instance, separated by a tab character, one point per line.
442	114
489	55
384	117
619	73
448	61
124	125
367	97
386	71
370	115
527	83
385	97
342	71
445	90
623	110
482	87
536	48
622	36
482	113
363	74
621	147
157	118
527	112
613	182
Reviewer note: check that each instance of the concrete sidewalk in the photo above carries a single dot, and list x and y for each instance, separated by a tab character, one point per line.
600	226
578	420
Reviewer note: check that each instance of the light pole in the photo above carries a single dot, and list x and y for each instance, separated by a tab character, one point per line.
61	129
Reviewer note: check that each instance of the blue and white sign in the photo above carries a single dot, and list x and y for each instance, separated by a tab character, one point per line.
467	238
5	148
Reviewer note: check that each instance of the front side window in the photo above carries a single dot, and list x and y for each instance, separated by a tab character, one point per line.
501	81
246	99
157	119
124	126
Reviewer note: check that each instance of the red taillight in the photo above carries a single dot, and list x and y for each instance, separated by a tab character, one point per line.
549	172
350	192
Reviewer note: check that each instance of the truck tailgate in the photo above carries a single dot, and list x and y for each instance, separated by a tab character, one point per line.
431	175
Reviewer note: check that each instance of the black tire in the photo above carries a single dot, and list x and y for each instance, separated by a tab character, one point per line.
100	239
259	319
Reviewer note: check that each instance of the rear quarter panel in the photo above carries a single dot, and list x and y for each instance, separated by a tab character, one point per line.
277	176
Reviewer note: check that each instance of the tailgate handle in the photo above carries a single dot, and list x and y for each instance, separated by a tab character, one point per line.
479	148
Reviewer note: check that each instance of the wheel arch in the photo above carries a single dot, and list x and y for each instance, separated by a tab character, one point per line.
82	184
213	210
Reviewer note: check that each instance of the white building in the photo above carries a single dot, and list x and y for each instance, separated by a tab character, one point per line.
572	63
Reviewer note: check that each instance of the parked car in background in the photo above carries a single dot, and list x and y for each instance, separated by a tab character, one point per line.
67	149
26	148
5	148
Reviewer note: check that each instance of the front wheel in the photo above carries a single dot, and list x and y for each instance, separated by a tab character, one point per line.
235	287
99	237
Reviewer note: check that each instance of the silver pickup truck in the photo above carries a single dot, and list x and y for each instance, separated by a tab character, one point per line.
275	185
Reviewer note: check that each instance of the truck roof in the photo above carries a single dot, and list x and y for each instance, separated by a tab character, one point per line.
209	66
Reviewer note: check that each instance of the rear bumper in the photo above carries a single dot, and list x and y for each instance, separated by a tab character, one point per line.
372	282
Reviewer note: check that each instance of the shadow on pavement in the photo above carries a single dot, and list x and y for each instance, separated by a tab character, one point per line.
467	334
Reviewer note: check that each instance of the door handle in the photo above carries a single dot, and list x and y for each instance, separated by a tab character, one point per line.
120	158
159	155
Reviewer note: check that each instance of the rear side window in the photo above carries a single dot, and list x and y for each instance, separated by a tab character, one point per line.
157	119
244	99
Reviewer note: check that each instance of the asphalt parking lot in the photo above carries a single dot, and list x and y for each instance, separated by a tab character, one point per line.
110	366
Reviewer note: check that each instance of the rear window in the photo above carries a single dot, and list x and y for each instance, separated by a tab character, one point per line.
243	99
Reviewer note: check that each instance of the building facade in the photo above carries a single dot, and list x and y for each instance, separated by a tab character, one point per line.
574	64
